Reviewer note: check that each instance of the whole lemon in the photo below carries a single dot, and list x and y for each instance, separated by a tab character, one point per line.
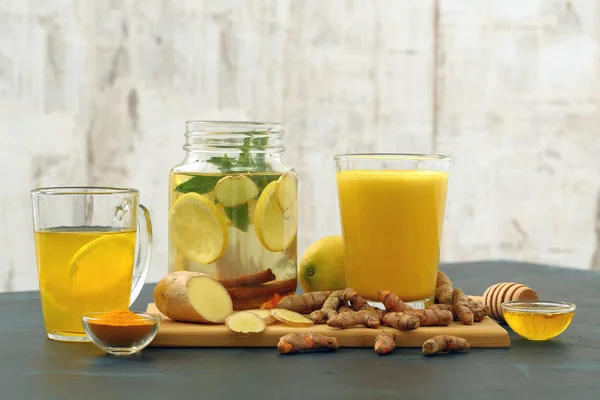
322	266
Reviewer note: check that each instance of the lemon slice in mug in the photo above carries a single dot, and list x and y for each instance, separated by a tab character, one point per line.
275	228
102	264
198	228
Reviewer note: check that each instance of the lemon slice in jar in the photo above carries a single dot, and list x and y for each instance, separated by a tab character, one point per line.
198	228
287	190
102	264
275	228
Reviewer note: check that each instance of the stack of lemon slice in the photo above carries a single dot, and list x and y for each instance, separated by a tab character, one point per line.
198	227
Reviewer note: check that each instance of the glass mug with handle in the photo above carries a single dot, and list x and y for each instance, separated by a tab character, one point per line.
93	251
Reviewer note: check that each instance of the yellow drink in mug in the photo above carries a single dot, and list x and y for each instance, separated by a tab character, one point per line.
392	212
85	241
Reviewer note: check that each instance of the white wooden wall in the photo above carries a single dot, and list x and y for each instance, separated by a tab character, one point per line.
97	93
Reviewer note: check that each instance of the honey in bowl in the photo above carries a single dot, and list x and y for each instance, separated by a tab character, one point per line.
538	320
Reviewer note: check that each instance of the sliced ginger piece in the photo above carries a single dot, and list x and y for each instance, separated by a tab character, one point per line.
192	297
245	323
265	315
290	317
235	190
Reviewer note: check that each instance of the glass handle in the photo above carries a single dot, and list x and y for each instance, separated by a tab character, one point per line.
143	255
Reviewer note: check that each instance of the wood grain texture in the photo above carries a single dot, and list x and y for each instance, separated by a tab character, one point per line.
486	333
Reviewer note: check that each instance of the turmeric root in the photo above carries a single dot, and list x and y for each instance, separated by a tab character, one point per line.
444	344
392	302
335	301
385	343
294	342
461	307
344	320
329	309
443	290
401	321
432	317
479	310
344	308
380	313
357	302
304	303
444	307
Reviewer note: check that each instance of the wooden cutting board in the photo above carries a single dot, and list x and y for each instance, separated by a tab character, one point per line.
486	333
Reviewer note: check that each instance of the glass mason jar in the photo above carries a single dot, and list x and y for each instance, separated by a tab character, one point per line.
233	210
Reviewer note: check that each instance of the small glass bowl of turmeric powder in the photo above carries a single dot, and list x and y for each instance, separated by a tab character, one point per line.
120	332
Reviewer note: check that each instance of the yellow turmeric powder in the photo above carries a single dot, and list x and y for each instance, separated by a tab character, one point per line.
122	318
120	327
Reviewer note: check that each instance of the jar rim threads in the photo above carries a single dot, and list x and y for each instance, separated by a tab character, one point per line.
256	137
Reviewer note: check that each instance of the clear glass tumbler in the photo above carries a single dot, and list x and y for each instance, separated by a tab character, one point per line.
392	212
93	251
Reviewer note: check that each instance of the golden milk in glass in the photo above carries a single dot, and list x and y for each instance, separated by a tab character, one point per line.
392	225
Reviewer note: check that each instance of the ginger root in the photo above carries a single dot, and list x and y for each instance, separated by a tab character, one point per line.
461	307
244	324
384	343
443	290
192	297
291	318
431	317
392	302
344	320
401	321
479	310
294	342
444	344
304	303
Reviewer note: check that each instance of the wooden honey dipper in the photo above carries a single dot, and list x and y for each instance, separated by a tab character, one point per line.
497	294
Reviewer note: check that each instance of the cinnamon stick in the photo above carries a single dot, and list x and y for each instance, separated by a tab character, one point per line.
263	290
249	280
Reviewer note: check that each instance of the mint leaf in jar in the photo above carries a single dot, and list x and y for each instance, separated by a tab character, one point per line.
239	216
200	184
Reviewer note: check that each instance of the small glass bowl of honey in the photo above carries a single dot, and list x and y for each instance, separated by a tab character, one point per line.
537	319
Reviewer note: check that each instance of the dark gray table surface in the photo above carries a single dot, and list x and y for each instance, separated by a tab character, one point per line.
33	367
